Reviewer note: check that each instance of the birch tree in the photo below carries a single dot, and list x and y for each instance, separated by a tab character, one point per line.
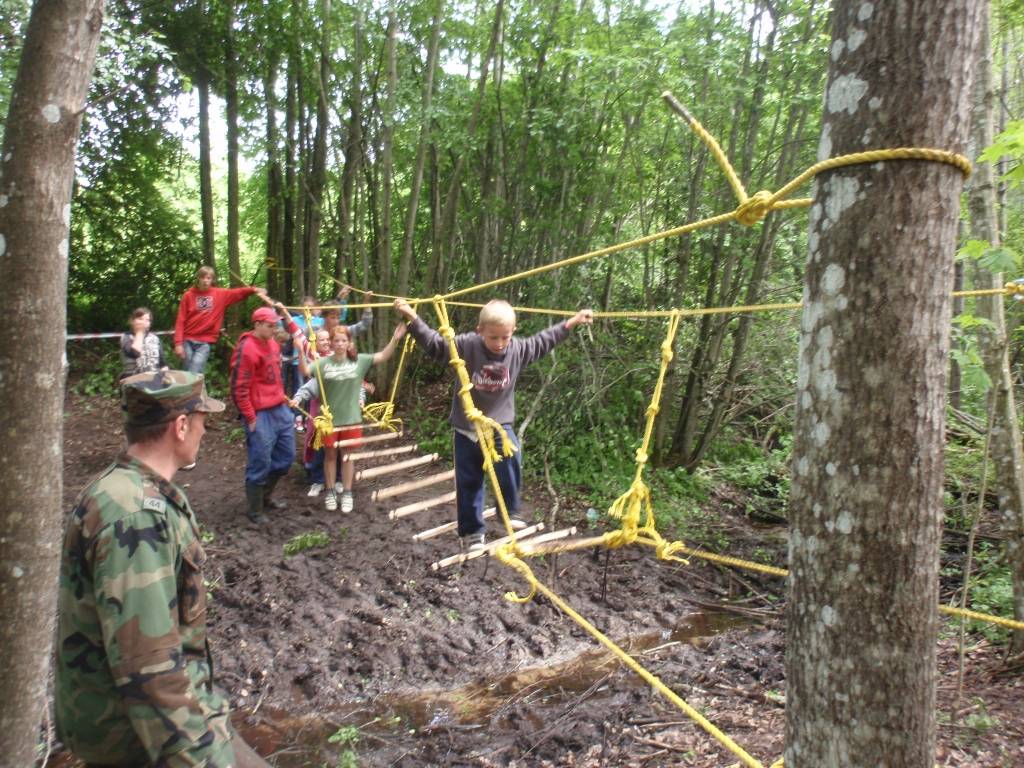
867	459
36	175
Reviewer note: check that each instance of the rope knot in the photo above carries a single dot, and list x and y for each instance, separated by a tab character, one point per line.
754	209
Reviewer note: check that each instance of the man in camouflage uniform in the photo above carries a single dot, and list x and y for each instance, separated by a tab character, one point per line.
133	675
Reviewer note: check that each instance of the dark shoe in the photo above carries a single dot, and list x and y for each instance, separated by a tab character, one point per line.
268	490
189	467
254	504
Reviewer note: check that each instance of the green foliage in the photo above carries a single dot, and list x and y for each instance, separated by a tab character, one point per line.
347	737
994	259
102	378
991	592
1008	144
304	541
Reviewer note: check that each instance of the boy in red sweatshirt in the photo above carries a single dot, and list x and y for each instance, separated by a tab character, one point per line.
200	316
258	392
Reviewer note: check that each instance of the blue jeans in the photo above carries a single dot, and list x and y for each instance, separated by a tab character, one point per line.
470	479
271	446
196	355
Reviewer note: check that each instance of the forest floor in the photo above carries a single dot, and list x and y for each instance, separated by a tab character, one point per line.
357	653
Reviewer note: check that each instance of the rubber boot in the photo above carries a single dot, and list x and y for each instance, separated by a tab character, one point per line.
254	503
268	490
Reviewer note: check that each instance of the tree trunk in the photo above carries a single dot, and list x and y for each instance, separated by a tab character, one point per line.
409	231
345	258
37	164
446	235
867	457
275	193
205	162
288	225
318	173
234	314
1007	453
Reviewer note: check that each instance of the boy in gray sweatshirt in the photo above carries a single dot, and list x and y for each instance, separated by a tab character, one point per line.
494	356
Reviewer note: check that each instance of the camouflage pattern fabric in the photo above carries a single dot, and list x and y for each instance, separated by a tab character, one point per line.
133	677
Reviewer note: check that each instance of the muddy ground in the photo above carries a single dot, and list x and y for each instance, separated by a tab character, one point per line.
406	666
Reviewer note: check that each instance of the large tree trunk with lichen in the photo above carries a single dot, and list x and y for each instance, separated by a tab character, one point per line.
993	340
870	419
36	175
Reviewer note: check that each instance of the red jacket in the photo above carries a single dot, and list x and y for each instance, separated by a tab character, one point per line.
256	374
201	313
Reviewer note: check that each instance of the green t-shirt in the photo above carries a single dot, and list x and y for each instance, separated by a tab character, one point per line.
342	382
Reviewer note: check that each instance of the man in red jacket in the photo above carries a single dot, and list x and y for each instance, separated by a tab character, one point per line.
258	392
200	316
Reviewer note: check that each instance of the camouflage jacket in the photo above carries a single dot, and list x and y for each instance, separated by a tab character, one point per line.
134	680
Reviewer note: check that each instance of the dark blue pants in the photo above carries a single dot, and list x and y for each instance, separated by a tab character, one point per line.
271	446
470	479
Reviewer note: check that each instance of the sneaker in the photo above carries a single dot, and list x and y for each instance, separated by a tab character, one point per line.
315	490
475	541
339	488
347	502
517	523
189	467
331	502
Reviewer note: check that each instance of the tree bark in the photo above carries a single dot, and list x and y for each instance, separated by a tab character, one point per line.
205	162
37	164
1007	453
867	458
345	258
318	172
409	230
275	192
234	313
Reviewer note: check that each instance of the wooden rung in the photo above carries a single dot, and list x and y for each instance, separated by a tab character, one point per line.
364	440
412	485
487	549
570	546
535	546
424	535
408	509
377	454
398	466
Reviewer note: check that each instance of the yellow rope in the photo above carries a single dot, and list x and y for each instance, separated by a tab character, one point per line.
382	413
507	554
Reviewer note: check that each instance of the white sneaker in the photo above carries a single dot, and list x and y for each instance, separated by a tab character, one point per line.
315	490
331	502
477	541
189	467
517	523
339	488
347	502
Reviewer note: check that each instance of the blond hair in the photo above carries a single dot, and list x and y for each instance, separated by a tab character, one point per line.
498	312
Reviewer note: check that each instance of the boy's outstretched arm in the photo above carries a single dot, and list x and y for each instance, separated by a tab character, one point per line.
430	341
583	317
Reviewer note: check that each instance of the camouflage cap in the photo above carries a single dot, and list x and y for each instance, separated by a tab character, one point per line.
156	398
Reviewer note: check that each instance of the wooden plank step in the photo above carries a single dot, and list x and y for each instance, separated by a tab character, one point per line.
378	454
535	544
396	490
398	466
418	506
359	441
487	549
431	533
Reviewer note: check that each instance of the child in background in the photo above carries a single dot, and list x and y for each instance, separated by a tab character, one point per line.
140	350
200	316
494	357
342	375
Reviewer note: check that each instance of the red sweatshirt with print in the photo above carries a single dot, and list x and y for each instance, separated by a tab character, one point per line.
201	313
256	374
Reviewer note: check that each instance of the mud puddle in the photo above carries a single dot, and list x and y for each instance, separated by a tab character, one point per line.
302	741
